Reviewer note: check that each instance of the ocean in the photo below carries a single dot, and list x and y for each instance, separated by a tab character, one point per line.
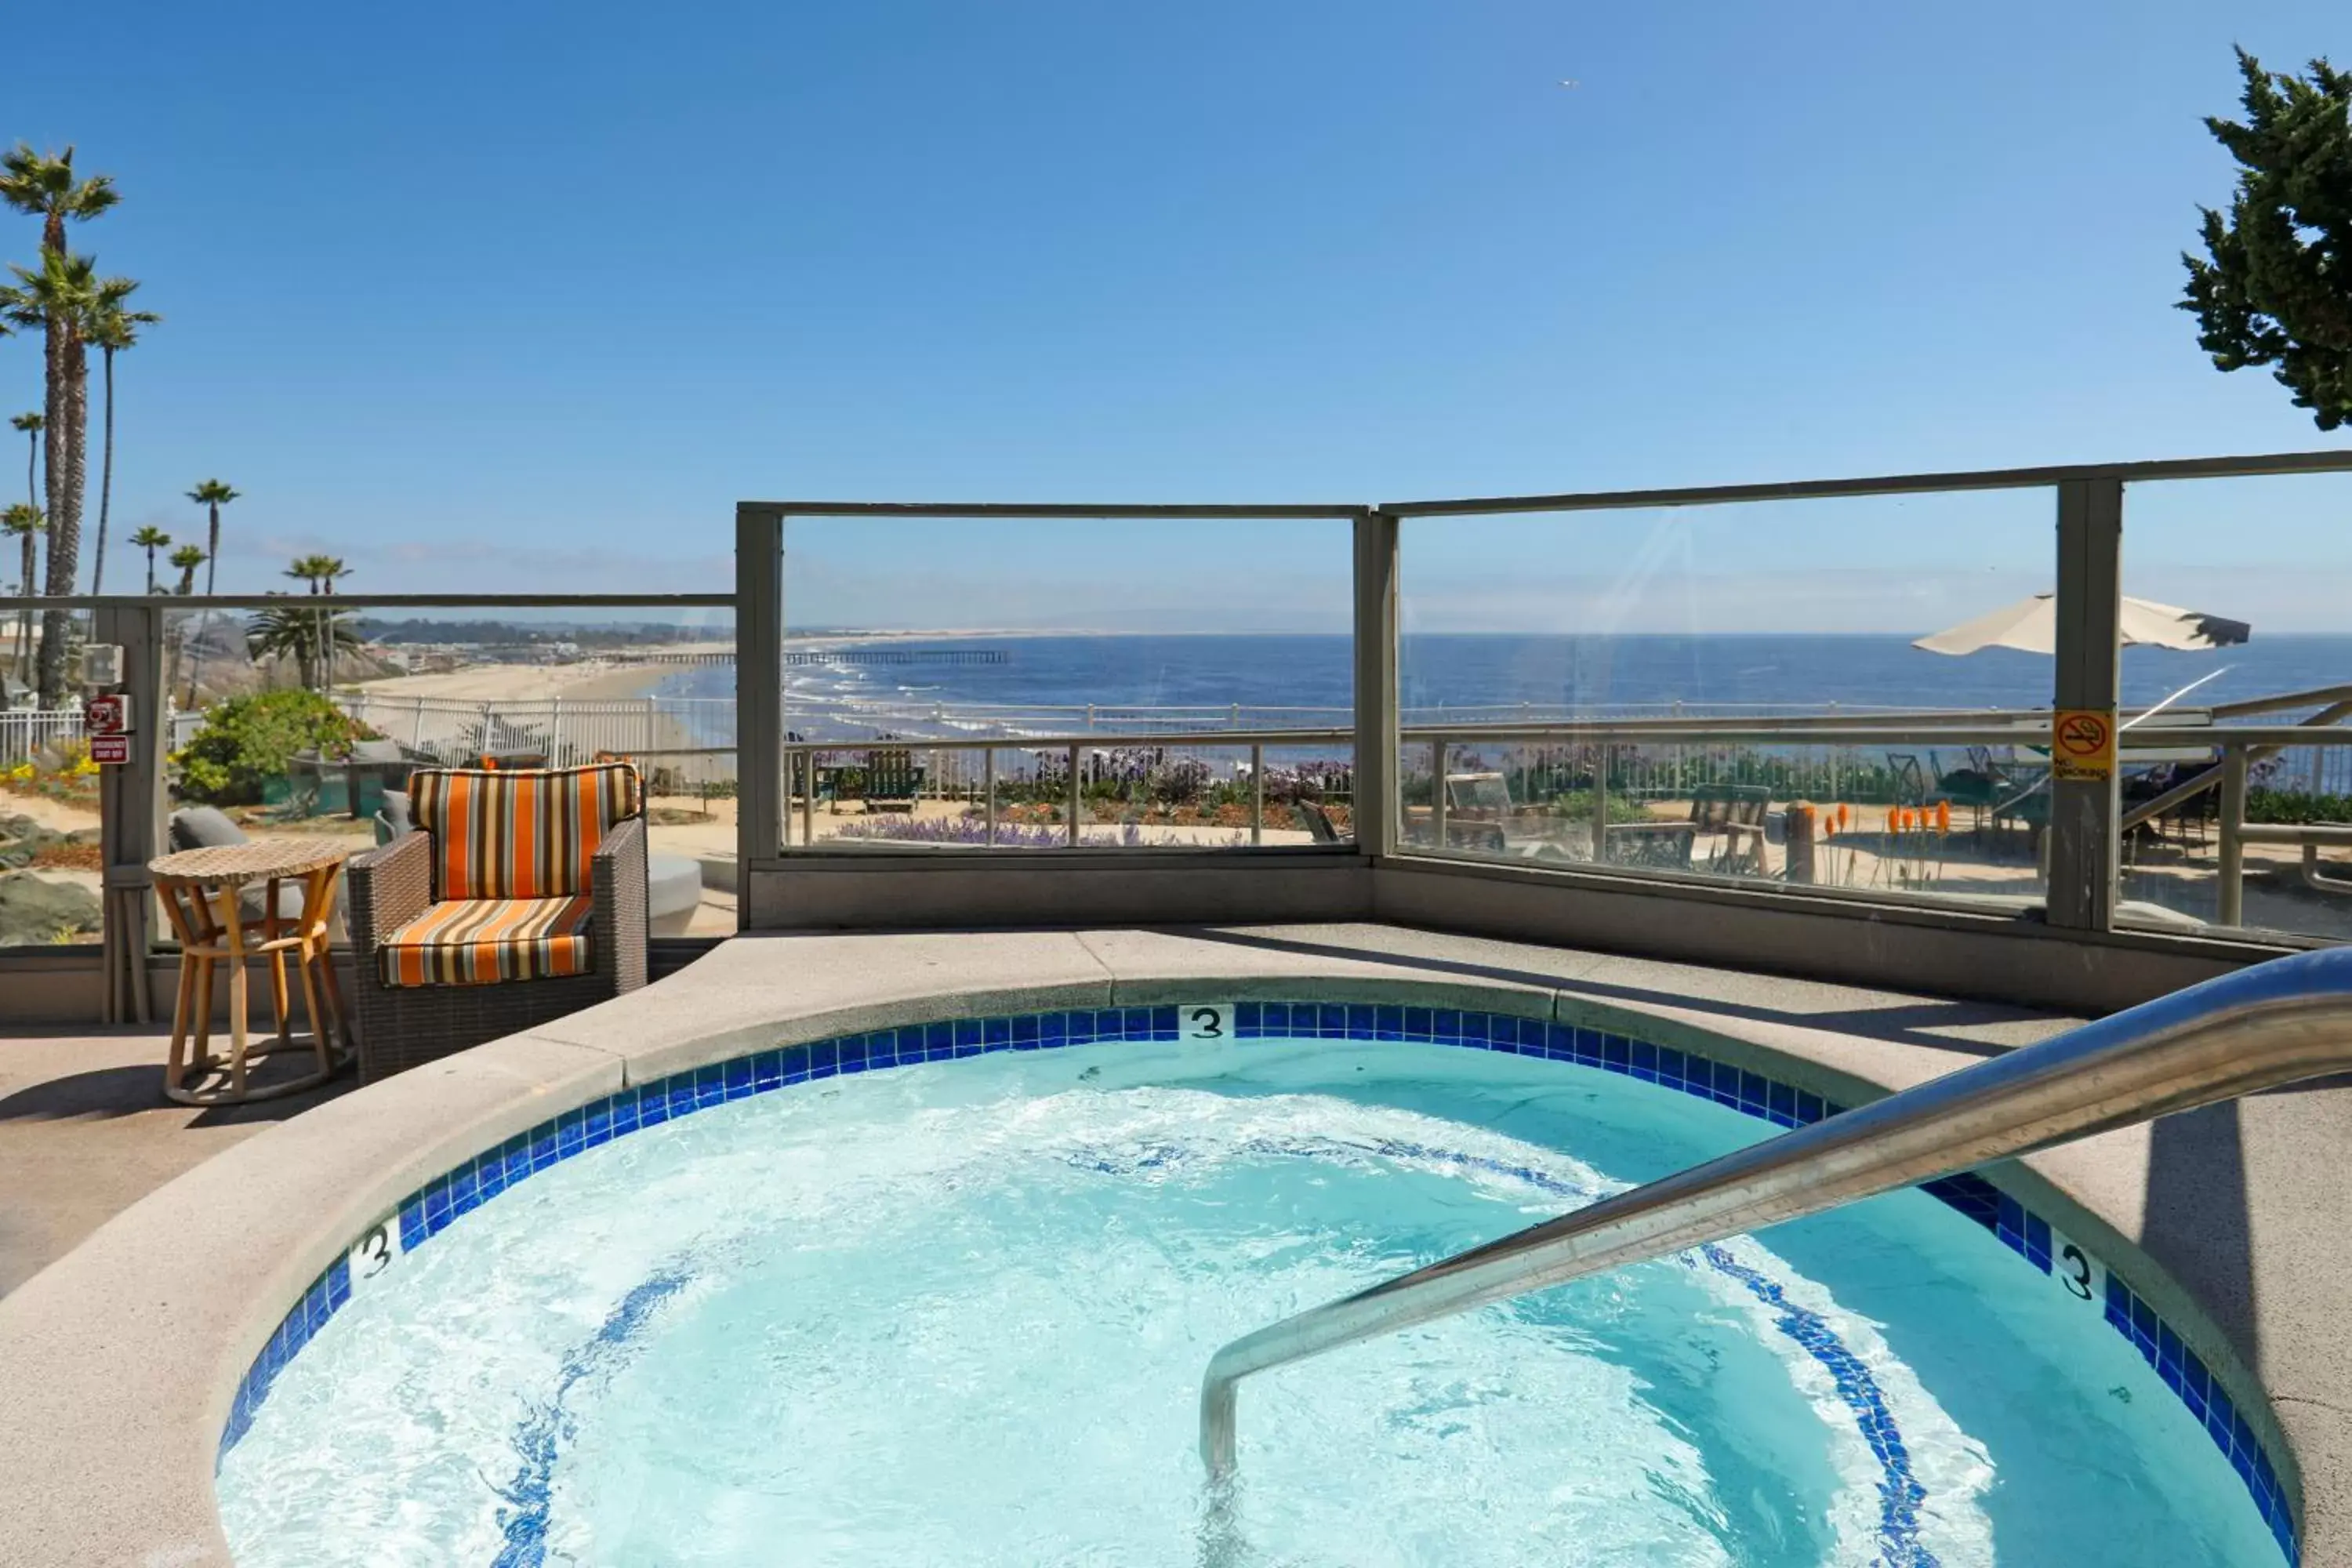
1306	681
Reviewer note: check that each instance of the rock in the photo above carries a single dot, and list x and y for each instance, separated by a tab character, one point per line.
36	913
21	838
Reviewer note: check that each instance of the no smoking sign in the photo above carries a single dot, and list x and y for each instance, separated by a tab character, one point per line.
2083	744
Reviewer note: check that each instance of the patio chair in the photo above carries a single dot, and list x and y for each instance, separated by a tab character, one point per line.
1320	828
1910	779
393	818
1731	815
893	780
673	882
519	897
1482	817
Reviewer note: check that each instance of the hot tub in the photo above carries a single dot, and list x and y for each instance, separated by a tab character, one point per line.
943	1293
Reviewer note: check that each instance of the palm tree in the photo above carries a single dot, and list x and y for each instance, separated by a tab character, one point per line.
23	521
30	423
211	495
57	297
331	568
151	539
321	571
187	558
45	185
113	327
302	635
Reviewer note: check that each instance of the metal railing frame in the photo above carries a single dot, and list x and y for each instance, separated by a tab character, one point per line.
2083	847
2236	747
2084	860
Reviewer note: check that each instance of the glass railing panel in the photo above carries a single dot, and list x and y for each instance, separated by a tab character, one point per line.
1734	693
2263	566
946	677
50	868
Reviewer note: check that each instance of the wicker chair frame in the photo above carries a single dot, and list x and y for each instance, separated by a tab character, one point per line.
402	1026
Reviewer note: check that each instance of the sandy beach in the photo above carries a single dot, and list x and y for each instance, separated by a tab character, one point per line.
527	682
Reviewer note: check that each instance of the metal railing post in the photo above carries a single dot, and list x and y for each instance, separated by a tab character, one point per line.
759	695
2233	855
1257	794
1437	748
2084	811
131	811
1833	763
1377	803
789	761
1600	756
808	796
1077	796
987	783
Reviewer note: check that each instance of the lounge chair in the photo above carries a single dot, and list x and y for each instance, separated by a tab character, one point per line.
1481	816
886	780
519	897
1733	816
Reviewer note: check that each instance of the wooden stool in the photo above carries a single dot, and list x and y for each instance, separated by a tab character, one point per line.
200	890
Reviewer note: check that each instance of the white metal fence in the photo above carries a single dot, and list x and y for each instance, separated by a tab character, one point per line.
691	739
694	738
25	732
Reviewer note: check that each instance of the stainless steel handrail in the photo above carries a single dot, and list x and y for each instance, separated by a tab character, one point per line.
2273	1024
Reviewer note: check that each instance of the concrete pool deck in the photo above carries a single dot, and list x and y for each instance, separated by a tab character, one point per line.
85	1132
124	1354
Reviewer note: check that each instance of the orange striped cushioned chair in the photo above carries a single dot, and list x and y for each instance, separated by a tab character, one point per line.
519	897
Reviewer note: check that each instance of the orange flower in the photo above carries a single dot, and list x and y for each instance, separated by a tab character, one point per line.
1846	815
1943	816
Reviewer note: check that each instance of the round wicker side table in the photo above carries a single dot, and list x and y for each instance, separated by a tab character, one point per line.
200	890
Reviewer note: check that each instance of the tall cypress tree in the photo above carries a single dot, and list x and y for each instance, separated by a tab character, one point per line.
2274	286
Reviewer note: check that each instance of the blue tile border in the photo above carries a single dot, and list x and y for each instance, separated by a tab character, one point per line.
433	1207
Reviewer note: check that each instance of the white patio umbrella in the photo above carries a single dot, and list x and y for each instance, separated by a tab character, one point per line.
2031	625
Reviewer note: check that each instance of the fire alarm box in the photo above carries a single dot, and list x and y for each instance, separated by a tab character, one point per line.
104	716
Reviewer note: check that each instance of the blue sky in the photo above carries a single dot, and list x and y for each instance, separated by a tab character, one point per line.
528	295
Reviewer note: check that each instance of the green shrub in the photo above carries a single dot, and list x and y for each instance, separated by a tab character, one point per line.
2296	806
248	740
1576	806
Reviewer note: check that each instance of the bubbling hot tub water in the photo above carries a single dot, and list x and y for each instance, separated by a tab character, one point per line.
958	1313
